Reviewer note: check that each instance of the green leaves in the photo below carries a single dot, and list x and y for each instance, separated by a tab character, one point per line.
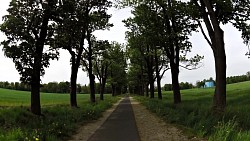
22	27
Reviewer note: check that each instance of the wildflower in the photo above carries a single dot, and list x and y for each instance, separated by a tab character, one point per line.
37	139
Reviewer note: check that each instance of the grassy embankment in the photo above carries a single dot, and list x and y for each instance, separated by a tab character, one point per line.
59	120
195	112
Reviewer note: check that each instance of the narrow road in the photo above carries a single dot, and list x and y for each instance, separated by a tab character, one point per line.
120	125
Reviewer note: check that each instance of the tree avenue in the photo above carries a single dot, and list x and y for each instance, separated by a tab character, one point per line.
213	14
29	27
163	26
78	19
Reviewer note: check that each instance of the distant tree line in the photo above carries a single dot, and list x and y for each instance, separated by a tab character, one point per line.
14	86
60	87
237	79
183	86
200	84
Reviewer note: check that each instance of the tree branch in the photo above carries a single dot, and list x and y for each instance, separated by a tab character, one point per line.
204	34
186	67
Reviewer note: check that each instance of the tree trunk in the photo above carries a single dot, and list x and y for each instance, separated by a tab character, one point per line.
91	75
92	88
219	101
151	83
150	75
35	88
159	88
73	79
175	82
35	82
147	93
102	88
158	77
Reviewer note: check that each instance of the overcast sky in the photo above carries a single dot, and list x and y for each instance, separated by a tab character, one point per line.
237	62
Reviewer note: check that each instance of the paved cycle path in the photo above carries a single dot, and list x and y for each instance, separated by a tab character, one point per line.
120	125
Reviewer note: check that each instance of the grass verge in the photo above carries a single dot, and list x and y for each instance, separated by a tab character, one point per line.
195	112
58	122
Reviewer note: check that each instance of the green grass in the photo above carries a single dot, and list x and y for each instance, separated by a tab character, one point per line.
22	98
195	112
59	120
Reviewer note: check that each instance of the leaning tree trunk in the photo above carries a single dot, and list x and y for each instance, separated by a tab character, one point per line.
219	102
175	82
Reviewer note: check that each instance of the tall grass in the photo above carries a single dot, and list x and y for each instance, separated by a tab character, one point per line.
58	122
195	112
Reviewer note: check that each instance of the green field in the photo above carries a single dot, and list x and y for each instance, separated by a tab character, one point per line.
195	112
58	122
22	98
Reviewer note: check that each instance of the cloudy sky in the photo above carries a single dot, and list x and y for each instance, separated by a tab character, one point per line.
237	62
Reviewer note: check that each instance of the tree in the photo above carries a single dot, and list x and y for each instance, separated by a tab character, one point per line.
117	70
165	24
29	27
78	20
102	62
214	14
99	20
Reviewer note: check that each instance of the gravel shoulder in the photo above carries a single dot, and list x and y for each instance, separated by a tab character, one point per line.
152	128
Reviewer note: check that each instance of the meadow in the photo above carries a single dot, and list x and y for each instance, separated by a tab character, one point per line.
59	120
195	112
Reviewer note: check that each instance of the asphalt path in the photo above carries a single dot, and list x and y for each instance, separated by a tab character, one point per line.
120	125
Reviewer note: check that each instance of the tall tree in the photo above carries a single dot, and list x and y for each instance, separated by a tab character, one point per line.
165	24
102	62
99	20
29	27
117	70
78	20
214	14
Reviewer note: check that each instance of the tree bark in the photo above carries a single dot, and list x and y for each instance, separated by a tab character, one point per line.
175	82
102	90
151	84
92	88
158	77
35	88
103	79
73	79
219	102
147	93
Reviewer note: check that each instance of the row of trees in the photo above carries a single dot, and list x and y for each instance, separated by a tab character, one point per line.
159	33
62	87
158	40
36	30
240	78
183	86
